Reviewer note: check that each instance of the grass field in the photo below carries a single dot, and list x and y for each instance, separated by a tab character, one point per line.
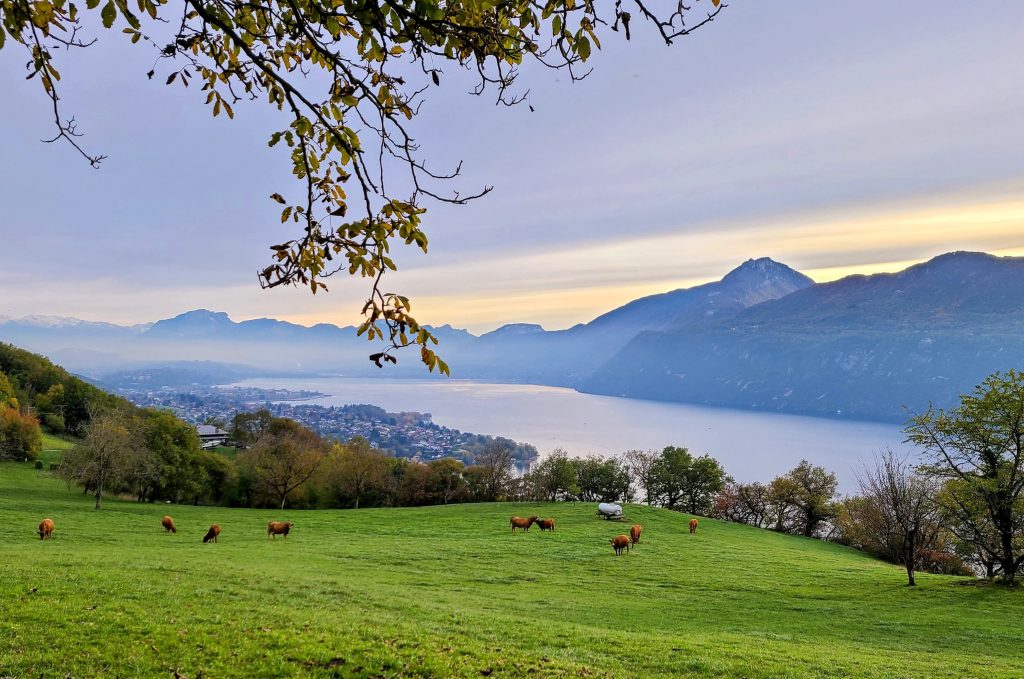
449	591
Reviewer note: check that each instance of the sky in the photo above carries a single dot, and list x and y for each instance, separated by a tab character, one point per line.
838	138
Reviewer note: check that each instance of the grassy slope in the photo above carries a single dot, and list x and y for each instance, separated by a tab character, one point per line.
53	446
449	591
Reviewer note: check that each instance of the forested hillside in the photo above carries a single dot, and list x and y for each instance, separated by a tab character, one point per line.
35	394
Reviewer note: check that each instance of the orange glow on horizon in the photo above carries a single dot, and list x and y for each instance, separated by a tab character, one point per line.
574	285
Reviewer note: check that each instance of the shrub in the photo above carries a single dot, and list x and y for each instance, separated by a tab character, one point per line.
20	437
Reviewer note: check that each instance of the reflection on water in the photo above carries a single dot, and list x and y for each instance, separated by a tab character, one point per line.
751	445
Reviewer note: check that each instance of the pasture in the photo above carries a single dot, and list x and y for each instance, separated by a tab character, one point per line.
451	591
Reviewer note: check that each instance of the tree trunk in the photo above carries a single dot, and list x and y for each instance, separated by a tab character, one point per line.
1007	560
357	502
99	496
284	498
910	550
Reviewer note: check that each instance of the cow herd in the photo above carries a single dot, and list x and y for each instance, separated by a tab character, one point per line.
620	543
274	528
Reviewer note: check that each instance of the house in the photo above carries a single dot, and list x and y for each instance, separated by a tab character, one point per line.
211	436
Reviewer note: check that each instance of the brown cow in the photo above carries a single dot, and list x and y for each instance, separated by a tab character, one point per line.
693	525
168	524
546	524
275	528
634	533
520	522
46	529
620	542
211	535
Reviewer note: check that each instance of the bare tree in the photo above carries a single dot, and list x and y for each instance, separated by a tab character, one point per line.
497	463
897	515
104	457
640	464
744	503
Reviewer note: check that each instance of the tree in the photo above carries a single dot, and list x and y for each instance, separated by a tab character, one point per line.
704	480
348	77
101	460
977	450
446	483
20	438
805	497
176	469
476	483
895	517
8	397
684	483
640	463
744	503
601	479
360	469
782	494
283	459
555	477
668	475
219	475
246	428
496	463
50	406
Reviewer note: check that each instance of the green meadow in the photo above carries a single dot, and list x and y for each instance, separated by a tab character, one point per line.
450	591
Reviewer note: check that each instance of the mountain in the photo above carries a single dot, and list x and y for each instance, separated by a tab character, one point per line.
753	282
266	345
525	352
862	346
764	336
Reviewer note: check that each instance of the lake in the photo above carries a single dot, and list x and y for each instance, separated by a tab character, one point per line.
753	446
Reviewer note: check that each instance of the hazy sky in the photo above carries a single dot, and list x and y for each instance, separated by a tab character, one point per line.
835	137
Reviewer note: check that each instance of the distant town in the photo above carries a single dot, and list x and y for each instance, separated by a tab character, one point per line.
410	435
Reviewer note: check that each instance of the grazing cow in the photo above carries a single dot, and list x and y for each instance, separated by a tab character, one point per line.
46	529
211	535
546	524
168	524
275	528
620	542
693	525
634	533
520	522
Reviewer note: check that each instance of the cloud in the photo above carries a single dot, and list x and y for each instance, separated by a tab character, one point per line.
785	130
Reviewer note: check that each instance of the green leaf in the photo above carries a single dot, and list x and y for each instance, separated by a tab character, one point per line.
108	14
583	48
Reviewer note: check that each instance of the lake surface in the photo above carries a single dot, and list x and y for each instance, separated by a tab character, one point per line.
752	446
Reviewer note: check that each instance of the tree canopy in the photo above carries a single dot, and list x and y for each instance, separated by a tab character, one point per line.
977	450
348	76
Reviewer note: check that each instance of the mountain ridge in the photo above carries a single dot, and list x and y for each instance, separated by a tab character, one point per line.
764	336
